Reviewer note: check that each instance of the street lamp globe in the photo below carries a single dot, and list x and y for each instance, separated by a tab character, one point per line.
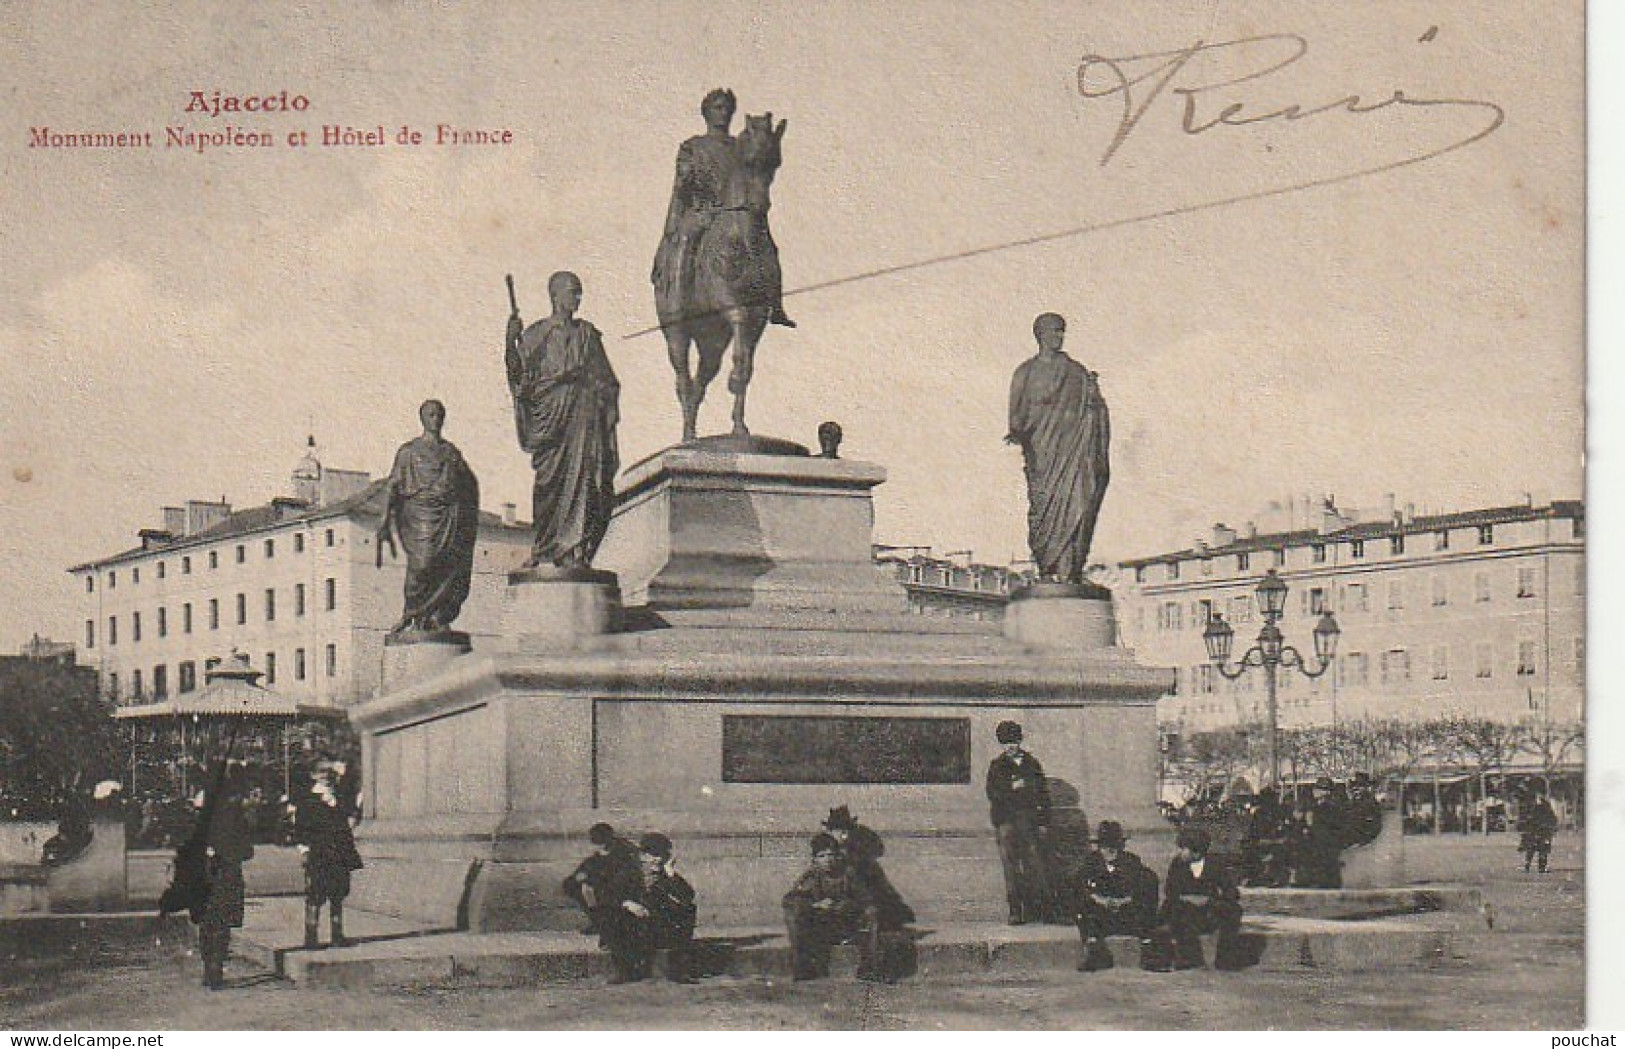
1218	637
1326	632
1271	595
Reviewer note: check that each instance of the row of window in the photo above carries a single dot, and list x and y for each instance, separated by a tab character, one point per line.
329	600
187	681
240	552
1351	597
1353	669
1318	551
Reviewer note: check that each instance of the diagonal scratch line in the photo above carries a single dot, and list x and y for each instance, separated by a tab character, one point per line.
1164	213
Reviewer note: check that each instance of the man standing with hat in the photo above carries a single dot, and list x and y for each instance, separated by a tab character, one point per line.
1018	797
1114	895
655	911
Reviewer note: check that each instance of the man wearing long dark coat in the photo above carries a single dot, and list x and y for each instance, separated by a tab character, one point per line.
432	500
223	834
566	408
1058	418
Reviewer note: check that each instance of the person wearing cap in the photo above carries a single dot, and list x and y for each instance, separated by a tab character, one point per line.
1018	800
1114	894
1322	833
655	911
827	905
861	849
613	863
322	830
1200	896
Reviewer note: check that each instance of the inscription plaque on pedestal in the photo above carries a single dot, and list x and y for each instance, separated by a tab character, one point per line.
788	749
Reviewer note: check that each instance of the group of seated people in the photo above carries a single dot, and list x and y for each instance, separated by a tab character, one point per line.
1115	894
638	904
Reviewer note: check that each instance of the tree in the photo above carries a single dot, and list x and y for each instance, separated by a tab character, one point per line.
1485	744
57	737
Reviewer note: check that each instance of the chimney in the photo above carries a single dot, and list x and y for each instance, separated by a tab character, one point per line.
201	516
336	486
1250	531
510	514
175	520
152	538
1410	513
1223	535
285	507
1331	519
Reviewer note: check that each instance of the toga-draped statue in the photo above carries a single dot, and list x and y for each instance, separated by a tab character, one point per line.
1058	418
566	404
432	500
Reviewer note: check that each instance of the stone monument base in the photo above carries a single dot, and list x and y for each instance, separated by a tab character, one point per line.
765	671
1061	615
415	653
548	607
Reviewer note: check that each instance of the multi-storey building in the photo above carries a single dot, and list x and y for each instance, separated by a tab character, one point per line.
944	586
1478	613
296	585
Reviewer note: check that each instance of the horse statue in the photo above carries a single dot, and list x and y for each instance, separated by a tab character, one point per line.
734	283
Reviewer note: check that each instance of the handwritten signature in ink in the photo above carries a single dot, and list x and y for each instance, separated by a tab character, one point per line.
1140	80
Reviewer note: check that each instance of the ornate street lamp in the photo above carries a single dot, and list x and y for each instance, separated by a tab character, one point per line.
1271	652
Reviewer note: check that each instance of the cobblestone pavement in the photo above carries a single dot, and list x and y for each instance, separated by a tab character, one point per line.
1528	973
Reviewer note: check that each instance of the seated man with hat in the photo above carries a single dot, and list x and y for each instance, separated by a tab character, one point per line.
1114	894
1200	895
861	849
827	905
654	911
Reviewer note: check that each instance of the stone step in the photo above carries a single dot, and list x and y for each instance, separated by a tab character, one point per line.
83	935
1269	942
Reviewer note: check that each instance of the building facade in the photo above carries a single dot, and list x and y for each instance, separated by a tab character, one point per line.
1479	613
297	586
945	586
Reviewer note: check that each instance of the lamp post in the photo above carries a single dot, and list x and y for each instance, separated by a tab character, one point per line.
1271	652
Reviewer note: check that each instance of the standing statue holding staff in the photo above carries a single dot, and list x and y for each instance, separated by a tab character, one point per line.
432	500
1059	420
566	404
716	274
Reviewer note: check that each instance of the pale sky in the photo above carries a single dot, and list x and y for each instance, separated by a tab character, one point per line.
172	324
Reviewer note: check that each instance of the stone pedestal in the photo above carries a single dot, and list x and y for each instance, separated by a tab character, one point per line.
419	654
702	527
1061	616
1381	864
763	672
559	607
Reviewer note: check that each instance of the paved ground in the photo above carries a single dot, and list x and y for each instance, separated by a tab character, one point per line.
1526	974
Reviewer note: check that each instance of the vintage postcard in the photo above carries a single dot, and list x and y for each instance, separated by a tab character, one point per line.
1039	515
